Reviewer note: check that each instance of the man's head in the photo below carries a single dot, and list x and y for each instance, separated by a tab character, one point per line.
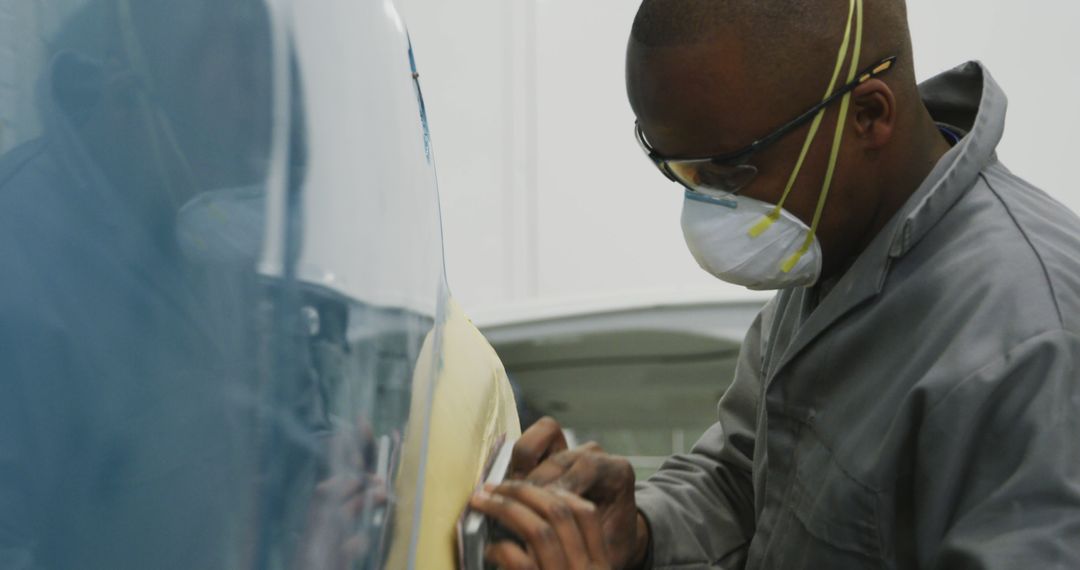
707	77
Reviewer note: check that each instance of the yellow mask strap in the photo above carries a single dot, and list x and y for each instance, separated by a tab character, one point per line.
774	215
845	104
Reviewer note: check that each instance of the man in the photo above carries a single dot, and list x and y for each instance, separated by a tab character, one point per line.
910	398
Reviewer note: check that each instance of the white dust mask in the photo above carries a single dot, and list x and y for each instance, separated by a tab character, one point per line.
718	234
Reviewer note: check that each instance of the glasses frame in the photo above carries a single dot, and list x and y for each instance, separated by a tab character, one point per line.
741	156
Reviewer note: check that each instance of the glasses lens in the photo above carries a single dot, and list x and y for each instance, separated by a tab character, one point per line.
708	177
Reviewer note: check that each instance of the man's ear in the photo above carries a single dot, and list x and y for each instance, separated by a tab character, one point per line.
874	107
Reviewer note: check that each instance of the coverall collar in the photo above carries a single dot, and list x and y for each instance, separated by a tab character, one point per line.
966	98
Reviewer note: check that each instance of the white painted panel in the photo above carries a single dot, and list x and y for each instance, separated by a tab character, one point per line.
470	56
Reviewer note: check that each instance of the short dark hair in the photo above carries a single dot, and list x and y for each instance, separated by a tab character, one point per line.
799	39
662	23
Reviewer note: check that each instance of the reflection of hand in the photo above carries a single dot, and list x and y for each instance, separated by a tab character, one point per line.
339	530
331	539
541	458
561	530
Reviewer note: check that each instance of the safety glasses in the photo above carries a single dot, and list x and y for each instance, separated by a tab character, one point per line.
728	174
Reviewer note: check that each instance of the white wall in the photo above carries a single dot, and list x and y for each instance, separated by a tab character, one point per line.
1031	50
545	193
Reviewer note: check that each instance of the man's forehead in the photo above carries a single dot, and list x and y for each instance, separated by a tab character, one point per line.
723	55
698	99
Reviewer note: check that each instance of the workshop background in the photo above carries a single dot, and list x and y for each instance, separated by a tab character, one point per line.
545	194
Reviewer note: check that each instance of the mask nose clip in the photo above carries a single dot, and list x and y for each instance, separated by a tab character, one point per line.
731	202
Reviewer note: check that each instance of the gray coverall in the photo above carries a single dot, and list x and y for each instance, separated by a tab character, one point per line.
922	413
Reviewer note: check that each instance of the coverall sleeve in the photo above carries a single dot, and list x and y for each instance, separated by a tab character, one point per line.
700	506
998	480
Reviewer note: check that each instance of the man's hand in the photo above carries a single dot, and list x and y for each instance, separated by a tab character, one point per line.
561	530
542	458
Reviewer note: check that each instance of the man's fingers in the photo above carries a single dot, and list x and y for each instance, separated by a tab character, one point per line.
541	537
596	476
509	556
555	466
588	520
552	468
558	513
541	440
